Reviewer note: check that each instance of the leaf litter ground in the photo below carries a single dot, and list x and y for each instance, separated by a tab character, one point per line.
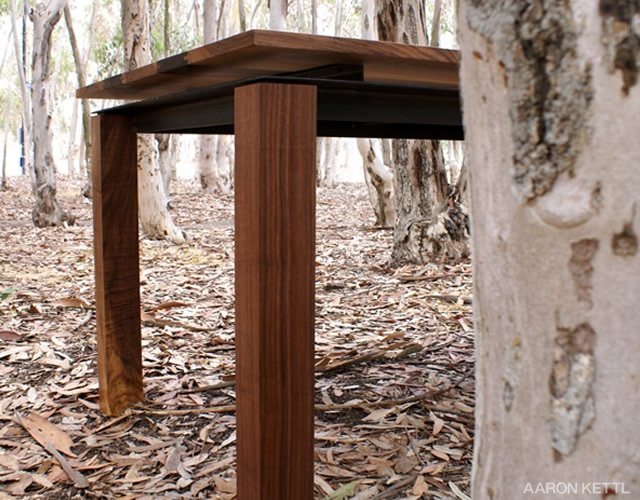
394	361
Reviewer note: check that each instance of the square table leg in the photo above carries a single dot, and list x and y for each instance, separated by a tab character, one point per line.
115	223
275	129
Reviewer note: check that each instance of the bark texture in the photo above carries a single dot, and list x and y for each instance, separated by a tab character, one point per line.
427	227
153	204
47	211
550	111
215	172
379	181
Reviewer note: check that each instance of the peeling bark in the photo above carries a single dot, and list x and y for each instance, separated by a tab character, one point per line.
153	204
47	211
581	268
550	93
379	181
621	37
429	224
553	177
571	384
625	243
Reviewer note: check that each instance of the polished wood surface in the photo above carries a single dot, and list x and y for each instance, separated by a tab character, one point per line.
115	222
258	53
275	286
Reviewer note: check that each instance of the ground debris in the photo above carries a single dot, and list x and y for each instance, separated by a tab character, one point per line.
394	360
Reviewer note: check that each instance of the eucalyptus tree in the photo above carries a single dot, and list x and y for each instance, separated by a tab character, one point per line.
153	204
551	99
428	223
214	166
47	210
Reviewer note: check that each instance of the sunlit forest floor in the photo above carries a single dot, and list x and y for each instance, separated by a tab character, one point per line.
394	359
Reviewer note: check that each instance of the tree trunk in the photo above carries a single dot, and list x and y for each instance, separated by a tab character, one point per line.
435	24
427	227
213	166
551	117
47	211
7	119
376	165
277	15
82	81
24	93
153	205
379	181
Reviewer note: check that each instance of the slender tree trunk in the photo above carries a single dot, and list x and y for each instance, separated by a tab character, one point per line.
24	93
427	227
214	175
314	16
71	146
376	167
242	15
166	159
277	15
47	211
379	181
82	81
7	119
153	205
435	23
80	65
551	105
338	18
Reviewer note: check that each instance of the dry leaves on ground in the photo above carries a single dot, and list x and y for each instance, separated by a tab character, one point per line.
394	361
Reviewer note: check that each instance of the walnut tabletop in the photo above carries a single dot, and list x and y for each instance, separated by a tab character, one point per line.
261	53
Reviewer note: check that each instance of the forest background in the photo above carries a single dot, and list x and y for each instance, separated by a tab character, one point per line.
176	26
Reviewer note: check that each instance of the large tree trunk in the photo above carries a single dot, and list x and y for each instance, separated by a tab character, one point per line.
551	117
427	226
47	212
153	204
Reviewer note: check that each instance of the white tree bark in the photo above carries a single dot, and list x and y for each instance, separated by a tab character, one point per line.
47	211
153	204
377	171
379	181
551	116
214	169
277	15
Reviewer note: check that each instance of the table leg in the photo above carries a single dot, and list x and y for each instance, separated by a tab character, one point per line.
115	223
275	129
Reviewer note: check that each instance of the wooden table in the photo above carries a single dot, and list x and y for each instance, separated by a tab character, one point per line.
276	92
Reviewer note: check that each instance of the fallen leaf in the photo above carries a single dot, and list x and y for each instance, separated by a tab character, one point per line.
168	305
225	486
78	479
420	486
71	302
9	461
344	491
438	424
9	335
378	415
44	432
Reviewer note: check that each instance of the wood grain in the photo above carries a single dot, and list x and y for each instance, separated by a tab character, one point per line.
115	219
259	53
275	252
